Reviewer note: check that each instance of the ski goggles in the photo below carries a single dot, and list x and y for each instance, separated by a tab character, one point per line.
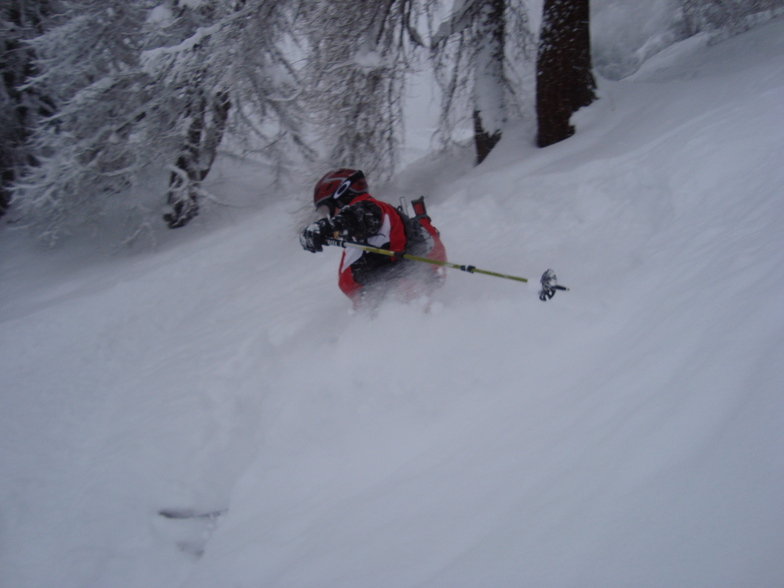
346	184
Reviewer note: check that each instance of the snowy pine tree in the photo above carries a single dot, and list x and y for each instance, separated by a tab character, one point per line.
732	16
360	57
142	87
477	54
20	107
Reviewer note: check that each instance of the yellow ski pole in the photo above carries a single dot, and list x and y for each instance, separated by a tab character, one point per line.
402	255
549	281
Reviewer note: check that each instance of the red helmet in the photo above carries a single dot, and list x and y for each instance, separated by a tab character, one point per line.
333	186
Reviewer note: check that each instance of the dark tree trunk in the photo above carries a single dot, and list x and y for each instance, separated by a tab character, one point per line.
208	122
564	77
483	140
490	71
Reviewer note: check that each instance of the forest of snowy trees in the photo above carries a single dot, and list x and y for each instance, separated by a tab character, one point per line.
98	94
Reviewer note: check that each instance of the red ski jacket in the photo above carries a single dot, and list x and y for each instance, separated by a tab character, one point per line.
360	268
376	223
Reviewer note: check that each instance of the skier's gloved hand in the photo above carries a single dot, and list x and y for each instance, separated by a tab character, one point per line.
315	235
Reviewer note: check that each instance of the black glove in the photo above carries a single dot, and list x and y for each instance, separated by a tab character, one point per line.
315	235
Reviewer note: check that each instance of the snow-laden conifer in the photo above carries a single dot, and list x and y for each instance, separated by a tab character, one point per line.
356	75
20	107
724	16
482	54
144	87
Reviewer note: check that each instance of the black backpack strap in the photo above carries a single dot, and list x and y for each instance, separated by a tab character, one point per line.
416	236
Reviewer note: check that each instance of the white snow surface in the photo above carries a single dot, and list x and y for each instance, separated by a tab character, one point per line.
626	433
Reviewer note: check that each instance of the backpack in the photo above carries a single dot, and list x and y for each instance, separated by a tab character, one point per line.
422	238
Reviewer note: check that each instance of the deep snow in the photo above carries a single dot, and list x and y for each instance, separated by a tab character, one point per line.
626	433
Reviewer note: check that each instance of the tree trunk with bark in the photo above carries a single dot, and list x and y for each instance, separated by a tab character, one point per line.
489	111
205	131
564	77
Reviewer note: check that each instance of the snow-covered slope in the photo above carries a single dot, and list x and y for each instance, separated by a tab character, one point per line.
626	433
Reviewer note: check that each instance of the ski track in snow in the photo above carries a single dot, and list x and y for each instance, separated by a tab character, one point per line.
626	433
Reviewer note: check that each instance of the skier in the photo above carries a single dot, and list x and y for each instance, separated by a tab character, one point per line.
350	213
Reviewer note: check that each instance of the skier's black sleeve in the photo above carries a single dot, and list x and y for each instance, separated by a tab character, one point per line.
359	221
